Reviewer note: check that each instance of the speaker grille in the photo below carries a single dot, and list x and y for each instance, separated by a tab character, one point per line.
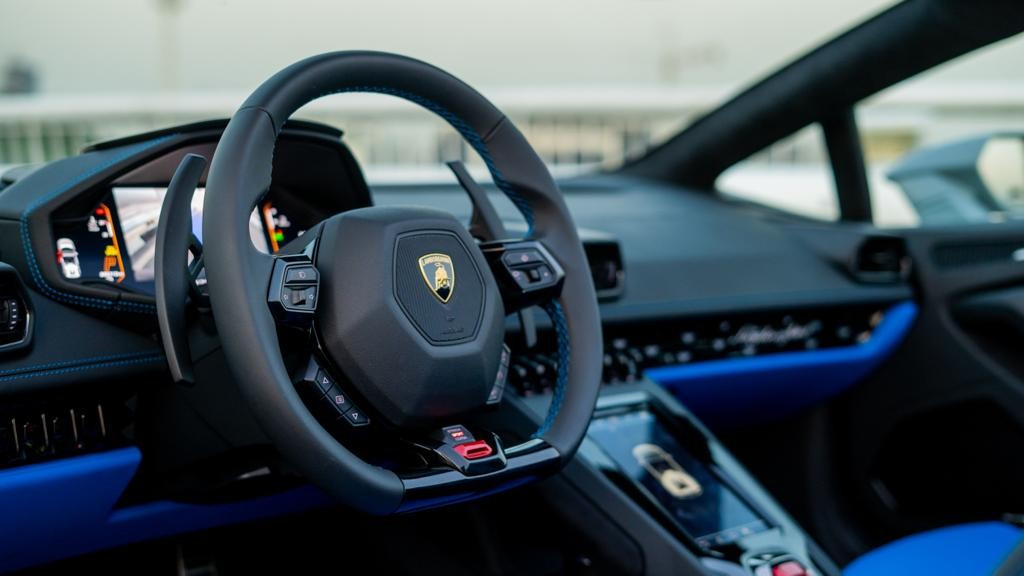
978	253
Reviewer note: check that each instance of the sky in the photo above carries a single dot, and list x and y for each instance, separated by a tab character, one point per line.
98	46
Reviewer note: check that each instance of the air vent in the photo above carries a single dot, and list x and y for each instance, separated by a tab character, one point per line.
978	253
881	260
15	317
605	260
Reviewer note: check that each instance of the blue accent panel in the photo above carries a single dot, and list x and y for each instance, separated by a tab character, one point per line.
30	257
67	507
55	509
743	390
468	132
963	550
69	366
554	310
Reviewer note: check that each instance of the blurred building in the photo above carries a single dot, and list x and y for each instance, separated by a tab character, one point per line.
573	129
591	83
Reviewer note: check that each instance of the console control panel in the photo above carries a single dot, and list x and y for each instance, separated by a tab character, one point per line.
631	349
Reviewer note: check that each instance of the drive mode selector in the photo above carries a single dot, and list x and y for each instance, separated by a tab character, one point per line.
409	310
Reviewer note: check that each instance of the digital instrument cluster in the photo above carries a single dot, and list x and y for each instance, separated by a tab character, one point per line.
115	241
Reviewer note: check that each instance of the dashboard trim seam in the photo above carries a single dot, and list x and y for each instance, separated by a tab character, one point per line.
68	366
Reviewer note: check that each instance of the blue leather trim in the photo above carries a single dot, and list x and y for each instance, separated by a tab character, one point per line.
30	257
69	366
554	310
743	390
962	550
67	507
475	140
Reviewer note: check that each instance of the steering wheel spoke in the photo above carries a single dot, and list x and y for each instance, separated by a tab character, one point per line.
526	272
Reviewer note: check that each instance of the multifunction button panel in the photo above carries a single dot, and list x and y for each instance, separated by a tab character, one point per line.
294	289
328	400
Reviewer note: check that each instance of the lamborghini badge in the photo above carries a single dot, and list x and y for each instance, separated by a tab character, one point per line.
439	274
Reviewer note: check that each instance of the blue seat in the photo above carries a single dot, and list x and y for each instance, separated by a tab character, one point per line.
961	550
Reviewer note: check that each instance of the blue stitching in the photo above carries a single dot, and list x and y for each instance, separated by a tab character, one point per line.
33	264
467	132
77	361
554	310
34	372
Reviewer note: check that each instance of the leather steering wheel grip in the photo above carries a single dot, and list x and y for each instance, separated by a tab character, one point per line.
237	274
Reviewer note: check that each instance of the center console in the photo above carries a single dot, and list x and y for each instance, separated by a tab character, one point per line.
659	494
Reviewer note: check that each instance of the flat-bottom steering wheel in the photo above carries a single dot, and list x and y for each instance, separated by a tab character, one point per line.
403	309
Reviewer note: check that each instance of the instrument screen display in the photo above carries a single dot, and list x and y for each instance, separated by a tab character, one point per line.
115	242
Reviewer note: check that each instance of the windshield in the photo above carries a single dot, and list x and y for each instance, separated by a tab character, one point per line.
590	82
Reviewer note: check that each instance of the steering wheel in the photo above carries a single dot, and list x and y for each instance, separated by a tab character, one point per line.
404	311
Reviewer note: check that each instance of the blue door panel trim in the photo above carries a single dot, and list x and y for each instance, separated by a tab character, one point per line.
743	390
66	507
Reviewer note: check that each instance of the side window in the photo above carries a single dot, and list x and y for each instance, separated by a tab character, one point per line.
947	147
792	175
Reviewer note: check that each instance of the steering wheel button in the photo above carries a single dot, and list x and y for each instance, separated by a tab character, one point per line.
300	275
291	297
324	381
456	435
498	389
474	450
356	417
789	568
309	297
522	257
521	278
496	394
339	400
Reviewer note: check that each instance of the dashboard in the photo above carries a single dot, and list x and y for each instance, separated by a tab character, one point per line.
673	290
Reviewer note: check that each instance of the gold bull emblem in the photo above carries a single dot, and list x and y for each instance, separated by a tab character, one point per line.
439	274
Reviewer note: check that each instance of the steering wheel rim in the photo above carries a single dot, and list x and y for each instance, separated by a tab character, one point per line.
238	274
